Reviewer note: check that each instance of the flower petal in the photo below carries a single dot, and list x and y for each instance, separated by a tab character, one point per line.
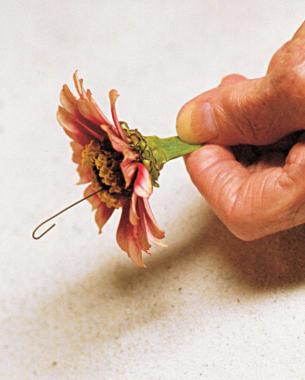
127	237
133	215
128	168
121	235
68	100
113	95
72	127
85	174
77	152
143	185
117	143
150	219
91	112
134	251
102	214
142	234
94	199
78	83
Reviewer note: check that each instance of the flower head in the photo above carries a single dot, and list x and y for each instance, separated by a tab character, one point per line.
117	163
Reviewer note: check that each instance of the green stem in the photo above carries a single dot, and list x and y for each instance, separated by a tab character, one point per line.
170	147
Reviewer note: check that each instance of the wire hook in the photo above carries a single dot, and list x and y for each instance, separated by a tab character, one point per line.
34	236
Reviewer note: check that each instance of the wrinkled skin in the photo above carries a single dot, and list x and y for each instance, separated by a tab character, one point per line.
266	195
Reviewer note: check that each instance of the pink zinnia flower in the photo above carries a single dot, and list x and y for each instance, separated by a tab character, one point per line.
109	159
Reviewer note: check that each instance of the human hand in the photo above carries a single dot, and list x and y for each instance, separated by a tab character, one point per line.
268	194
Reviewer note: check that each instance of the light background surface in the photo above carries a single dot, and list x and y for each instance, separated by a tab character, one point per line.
72	306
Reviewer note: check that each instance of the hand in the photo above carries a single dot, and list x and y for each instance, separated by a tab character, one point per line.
268	194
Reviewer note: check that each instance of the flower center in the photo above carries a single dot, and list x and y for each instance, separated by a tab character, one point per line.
105	164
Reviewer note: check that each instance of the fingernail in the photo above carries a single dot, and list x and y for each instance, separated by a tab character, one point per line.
195	122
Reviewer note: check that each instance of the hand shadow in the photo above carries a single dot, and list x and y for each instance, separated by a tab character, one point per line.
272	262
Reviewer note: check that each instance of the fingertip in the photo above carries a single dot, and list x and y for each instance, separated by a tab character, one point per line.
195	122
184	122
231	79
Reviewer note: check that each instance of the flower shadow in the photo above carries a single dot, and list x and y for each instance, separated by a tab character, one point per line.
96	312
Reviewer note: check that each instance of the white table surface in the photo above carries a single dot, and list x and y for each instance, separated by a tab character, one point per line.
72	306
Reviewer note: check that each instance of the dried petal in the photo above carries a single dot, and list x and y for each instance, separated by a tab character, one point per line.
121	235
150	219
68	100
77	152
72	127
94	199
133	215
85	174
102	214
113	95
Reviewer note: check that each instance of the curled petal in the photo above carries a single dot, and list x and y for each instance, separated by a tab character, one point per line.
68	100
143	184
78	83
86	105
102	214
113	95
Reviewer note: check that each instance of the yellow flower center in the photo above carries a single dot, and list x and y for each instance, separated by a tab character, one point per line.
105	164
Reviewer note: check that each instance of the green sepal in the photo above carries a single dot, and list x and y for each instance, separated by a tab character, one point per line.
154	151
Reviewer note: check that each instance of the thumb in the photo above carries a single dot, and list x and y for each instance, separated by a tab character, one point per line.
239	111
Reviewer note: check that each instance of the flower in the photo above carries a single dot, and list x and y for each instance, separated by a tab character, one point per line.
113	160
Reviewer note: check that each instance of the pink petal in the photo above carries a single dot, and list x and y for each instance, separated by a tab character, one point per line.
133	215
102	214
126	237
128	168
68	100
117	143
143	186
142	235
91	112
113	95
72	128
150	219
78	83
134	251
121	235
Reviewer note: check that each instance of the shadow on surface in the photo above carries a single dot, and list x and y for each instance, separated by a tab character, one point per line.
205	265
269	263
